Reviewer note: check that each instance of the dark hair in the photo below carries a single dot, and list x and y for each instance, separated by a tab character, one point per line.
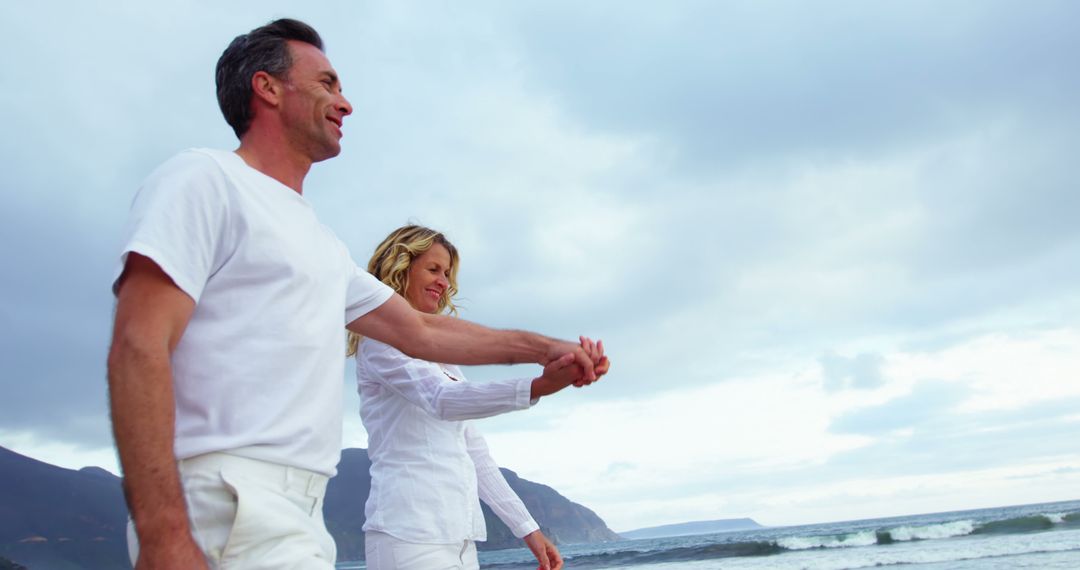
262	49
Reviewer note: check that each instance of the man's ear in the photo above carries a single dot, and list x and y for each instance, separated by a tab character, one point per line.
267	87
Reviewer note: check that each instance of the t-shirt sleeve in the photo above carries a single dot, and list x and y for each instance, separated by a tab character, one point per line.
178	220
366	293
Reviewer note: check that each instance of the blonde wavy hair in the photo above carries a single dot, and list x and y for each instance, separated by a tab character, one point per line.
391	261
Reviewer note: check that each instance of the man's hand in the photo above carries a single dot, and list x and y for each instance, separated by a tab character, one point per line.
587	355
564	371
603	367
180	552
545	552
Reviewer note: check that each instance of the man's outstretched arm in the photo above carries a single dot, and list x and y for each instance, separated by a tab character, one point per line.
151	315
439	338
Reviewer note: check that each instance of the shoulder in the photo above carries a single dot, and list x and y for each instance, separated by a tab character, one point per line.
371	349
193	171
192	160
380	359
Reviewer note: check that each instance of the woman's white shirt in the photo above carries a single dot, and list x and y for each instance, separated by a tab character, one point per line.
429	466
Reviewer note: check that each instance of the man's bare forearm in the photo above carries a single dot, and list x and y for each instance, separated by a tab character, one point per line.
450	340
143	415
457	341
151	315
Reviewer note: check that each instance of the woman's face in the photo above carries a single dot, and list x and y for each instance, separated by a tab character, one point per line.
429	278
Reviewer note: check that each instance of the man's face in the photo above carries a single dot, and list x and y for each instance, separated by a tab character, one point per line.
313	107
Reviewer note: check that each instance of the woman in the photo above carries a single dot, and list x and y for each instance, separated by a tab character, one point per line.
429	466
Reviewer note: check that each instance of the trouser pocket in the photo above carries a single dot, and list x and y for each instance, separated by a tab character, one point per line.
274	528
212	508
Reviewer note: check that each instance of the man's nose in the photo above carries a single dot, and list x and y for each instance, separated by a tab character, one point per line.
344	106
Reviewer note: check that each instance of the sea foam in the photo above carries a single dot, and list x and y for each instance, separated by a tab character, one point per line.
865	538
933	531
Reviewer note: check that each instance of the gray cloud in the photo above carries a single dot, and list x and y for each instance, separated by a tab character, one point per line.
791	180
58	307
862	371
944	441
748	80
1058	471
924	406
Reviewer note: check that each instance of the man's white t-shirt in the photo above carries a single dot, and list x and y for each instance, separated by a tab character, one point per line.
258	371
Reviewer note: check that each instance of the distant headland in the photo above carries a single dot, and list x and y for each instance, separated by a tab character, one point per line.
689	528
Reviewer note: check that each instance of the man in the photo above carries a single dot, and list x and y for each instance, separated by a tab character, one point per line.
226	362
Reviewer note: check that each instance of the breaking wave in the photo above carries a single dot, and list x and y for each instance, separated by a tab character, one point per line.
811	541
865	538
926	532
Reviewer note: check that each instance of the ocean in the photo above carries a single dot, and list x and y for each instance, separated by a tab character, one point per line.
1044	536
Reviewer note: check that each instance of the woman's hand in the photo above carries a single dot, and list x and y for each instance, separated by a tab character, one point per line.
545	552
564	371
558	374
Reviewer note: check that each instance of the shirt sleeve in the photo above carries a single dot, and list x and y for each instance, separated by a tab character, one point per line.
426	385
178	220
493	488
365	294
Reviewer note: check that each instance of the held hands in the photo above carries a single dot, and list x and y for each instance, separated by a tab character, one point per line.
544	551
570	367
595	352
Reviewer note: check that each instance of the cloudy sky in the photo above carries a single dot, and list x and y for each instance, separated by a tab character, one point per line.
832	248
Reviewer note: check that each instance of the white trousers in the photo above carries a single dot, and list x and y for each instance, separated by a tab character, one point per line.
384	552
248	514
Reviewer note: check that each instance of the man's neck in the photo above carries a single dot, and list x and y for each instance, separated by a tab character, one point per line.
275	158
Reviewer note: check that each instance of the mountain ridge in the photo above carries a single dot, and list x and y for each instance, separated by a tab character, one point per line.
62	519
560	519
65	519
